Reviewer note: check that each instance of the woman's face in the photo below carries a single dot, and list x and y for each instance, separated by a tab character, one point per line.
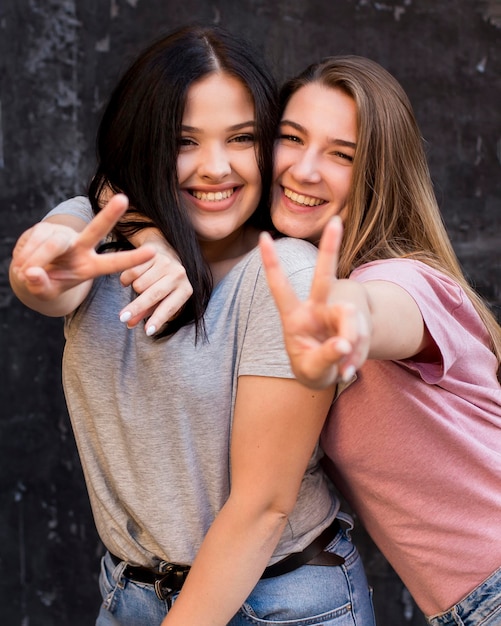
217	163
313	160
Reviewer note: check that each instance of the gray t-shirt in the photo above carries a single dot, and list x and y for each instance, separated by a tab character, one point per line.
152	418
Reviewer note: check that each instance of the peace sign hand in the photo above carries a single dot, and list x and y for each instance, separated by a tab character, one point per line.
326	336
49	259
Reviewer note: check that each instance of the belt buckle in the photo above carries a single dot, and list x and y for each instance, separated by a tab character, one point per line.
159	589
171	581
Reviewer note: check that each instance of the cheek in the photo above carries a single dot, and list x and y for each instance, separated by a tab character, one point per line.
345	182
281	161
275	214
256	177
246	165
183	167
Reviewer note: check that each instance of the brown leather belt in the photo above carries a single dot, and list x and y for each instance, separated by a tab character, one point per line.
173	575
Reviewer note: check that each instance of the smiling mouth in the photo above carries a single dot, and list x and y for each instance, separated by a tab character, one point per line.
301	199
212	196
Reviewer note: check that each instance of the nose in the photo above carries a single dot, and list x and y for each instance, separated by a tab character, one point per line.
306	168
214	163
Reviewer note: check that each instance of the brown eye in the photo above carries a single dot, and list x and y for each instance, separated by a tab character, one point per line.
247	138
292	138
343	155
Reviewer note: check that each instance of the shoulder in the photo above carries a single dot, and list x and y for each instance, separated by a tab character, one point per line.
295	255
296	251
297	258
79	206
447	311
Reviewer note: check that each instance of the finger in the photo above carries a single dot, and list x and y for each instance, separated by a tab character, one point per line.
113	262
166	311
360	348
157	311
327	261
129	276
37	282
143	306
281	290
320	366
152	288
353	329
104	222
343	318
45	245
133	321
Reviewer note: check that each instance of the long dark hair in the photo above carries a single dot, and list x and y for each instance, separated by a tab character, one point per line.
137	143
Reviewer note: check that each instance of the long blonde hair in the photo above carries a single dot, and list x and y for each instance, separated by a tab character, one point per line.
393	211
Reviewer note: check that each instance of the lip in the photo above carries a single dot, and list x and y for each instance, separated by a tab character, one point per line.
293	207
213	206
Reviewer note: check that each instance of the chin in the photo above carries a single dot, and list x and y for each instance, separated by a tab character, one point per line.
292	228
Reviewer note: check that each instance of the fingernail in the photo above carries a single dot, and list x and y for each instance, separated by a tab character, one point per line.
125	317
151	330
348	374
344	346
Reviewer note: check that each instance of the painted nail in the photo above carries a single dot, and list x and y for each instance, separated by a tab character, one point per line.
151	330
348	373
125	317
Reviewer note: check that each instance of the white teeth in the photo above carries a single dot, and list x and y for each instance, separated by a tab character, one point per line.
302	199
212	196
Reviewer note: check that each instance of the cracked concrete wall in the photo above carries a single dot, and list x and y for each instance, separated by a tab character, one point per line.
58	61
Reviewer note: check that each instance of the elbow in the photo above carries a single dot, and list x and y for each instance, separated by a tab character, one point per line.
275	513
272	522
270	515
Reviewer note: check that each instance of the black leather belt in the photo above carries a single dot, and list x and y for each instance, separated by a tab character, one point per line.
313	554
173	575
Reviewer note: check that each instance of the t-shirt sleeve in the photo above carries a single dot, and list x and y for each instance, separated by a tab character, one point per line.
263	350
79	206
446	309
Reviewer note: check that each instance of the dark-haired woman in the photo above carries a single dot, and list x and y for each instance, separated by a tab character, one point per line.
198	446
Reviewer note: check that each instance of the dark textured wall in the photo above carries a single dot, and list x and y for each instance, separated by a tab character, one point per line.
58	60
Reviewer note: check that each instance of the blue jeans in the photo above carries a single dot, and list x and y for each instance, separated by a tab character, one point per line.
482	607
308	596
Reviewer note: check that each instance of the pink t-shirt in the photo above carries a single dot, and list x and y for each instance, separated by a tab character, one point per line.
416	447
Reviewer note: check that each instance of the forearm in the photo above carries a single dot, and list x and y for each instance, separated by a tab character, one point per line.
55	306
151	235
275	429
234	554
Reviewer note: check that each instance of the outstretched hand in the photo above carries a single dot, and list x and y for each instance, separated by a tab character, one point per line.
49	259
326	336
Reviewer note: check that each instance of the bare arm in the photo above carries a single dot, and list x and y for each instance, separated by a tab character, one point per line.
343	322
54	262
272	443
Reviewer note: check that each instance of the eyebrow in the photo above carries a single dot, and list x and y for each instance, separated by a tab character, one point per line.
194	129
301	129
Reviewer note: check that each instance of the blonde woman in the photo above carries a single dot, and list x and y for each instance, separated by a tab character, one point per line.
414	442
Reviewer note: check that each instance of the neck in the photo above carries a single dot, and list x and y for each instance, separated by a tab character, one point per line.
224	254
